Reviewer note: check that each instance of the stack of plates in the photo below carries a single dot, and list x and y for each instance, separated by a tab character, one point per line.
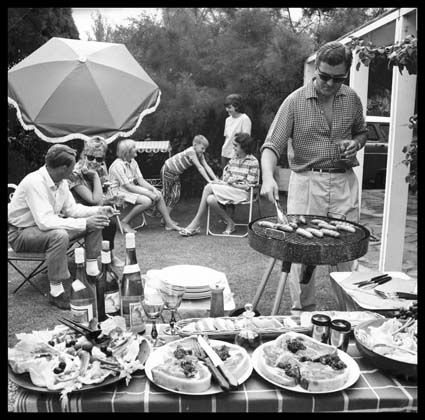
196	279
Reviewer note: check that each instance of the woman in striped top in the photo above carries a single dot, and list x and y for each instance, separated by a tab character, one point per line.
177	164
239	175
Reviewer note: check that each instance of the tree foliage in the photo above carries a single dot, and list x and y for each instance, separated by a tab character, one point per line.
30	28
198	56
328	24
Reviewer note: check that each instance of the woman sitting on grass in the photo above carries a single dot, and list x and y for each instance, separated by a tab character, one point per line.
239	175
126	177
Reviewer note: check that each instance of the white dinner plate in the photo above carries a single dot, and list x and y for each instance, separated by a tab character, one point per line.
157	357
352	366
194	277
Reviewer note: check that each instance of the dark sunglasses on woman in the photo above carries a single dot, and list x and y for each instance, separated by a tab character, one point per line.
98	159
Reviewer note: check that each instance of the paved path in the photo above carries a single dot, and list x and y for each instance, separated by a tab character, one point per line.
372	216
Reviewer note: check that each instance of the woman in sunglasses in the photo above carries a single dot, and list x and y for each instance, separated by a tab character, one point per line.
88	182
308	127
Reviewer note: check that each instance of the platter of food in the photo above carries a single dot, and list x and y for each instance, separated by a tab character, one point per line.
389	350
225	328
61	360
299	363
24	380
175	368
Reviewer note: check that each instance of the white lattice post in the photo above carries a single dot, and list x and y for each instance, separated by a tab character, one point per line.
396	187
359	81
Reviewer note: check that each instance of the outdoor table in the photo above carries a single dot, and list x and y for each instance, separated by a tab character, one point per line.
347	302
375	391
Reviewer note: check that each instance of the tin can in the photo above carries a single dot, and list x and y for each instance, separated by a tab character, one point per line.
340	330
321	325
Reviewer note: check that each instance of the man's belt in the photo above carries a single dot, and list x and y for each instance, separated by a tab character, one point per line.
329	170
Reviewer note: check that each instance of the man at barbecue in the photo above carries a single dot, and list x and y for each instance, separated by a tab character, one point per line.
43	217
308	126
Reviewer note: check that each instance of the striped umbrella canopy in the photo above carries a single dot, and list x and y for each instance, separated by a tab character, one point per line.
70	89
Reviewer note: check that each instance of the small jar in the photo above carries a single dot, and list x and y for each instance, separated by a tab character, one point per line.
248	337
321	324
217	301
340	330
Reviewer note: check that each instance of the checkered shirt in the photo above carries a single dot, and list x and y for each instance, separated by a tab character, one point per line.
300	128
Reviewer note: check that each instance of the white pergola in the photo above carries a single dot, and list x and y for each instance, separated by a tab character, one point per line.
391	27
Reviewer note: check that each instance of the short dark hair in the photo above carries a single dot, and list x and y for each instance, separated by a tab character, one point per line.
334	53
246	142
59	155
236	100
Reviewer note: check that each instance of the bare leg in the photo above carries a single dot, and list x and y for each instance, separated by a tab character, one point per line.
196	221
213	203
162	208
142	203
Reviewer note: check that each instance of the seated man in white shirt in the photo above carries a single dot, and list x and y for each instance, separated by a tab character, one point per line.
43	217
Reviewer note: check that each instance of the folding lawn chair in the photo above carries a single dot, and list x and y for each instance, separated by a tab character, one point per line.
254	197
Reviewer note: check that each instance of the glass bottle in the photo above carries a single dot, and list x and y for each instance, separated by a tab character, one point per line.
92	273
248	337
82	299
107	288
132	288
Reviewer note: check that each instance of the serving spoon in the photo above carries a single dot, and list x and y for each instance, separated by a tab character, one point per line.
394	347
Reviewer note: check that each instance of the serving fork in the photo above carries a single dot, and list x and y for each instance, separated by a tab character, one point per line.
396	295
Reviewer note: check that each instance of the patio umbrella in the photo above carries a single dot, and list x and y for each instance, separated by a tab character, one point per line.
69	89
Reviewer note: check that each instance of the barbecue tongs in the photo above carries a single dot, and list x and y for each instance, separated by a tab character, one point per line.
281	217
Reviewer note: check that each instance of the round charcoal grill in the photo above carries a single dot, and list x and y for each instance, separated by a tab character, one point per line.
295	248
290	247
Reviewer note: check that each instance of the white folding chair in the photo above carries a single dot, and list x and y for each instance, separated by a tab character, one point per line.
254	197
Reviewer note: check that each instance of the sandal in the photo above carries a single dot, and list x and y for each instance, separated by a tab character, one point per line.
189	232
229	231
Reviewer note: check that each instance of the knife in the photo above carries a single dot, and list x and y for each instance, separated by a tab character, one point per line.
372	280
377	283
215	358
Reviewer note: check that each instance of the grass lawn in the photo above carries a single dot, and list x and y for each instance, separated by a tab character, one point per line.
157	248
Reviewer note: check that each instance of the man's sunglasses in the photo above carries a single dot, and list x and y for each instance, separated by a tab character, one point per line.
98	159
326	77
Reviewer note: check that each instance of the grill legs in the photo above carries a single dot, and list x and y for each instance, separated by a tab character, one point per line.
286	268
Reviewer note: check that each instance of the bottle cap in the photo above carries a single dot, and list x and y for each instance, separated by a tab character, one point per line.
249	313
340	325
130	241
105	246
79	255
320	319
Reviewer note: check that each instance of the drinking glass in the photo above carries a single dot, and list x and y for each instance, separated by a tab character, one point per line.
342	145
172	295
153	306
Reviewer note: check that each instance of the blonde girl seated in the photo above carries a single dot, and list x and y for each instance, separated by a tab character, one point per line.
126	177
